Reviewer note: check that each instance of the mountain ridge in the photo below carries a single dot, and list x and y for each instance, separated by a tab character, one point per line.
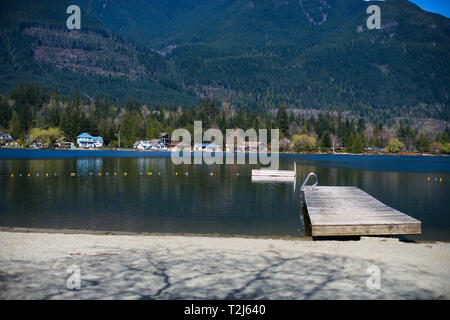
258	54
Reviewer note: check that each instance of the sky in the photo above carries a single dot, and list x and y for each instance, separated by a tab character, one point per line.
437	6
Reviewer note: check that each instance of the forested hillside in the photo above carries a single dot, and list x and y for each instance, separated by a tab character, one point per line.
307	54
32	113
37	47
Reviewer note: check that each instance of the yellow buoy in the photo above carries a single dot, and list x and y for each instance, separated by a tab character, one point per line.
12	175
46	174
428	178
176	173
99	174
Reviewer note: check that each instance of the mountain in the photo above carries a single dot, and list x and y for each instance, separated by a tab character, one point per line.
311	54
36	46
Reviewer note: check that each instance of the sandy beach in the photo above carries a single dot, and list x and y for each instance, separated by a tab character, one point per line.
35	266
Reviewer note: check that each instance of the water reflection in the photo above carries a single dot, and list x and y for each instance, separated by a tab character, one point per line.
268	179
157	196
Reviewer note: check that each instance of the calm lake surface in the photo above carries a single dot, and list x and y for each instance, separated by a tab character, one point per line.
206	199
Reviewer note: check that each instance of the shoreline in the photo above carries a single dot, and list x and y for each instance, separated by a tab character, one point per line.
211	235
37	266
154	234
168	152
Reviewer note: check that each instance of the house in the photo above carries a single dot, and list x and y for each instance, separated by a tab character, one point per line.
85	140
251	146
5	138
200	146
212	147
255	146
164	138
38	144
157	144
373	149
142	145
153	144
207	147
157	147
65	145
179	146
98	142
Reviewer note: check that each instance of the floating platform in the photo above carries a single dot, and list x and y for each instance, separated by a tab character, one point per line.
275	173
273	179
349	211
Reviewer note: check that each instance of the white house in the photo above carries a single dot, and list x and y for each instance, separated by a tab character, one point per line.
208	147
85	140
142	145
98	142
5	138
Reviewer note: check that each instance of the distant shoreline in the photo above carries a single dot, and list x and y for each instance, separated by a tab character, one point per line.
148	152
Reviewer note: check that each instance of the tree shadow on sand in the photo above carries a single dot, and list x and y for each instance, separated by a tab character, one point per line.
184	273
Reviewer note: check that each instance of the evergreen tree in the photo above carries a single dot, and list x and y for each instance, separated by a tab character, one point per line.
76	101
5	113
357	144
361	126
282	120
25	115
325	141
129	129
53	116
422	143
15	128
444	137
348	143
208	113
70	122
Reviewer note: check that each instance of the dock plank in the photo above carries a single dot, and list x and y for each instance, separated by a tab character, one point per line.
345	211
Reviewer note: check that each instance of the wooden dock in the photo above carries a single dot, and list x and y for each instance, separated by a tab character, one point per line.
349	211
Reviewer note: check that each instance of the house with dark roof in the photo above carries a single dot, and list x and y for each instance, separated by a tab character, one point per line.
164	138
5	138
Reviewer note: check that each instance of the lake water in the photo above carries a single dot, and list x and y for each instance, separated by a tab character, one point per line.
146	192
